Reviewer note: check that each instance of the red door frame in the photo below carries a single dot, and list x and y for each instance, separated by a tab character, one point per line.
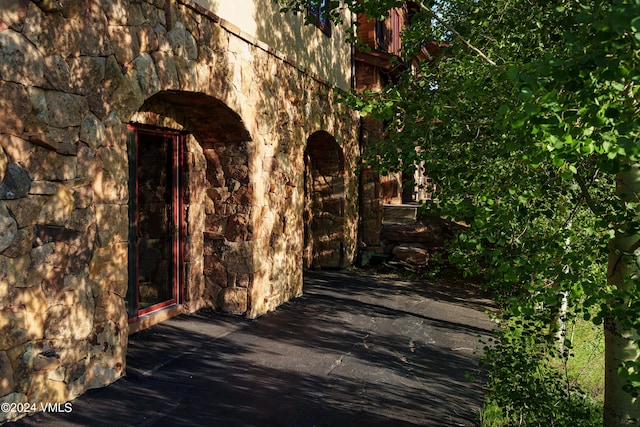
178	141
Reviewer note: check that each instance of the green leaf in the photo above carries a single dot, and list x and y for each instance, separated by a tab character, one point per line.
531	108
617	86
526	93
558	162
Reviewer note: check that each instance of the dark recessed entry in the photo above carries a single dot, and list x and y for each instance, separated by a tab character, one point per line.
155	219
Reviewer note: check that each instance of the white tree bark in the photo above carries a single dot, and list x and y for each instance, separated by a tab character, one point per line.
620	408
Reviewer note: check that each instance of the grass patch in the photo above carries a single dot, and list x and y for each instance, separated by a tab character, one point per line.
491	416
585	366
528	386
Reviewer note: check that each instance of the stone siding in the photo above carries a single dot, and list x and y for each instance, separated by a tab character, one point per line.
73	74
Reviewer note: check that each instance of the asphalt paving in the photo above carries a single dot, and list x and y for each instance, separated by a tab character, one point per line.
355	350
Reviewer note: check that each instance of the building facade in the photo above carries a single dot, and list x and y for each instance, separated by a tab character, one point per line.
157	157
376	65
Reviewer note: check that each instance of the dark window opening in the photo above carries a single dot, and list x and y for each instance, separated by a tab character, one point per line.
388	33
319	15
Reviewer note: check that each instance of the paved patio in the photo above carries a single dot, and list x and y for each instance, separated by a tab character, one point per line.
355	350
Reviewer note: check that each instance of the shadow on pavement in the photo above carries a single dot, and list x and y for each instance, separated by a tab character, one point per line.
355	350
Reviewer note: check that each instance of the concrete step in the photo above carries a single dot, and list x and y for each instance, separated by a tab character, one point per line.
399	214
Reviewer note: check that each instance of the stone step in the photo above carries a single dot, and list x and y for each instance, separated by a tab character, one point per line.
399	214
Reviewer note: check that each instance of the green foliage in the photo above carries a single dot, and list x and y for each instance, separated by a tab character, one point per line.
373	8
585	365
526	153
525	388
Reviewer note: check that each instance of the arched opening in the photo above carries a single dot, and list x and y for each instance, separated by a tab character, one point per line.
324	215
201	145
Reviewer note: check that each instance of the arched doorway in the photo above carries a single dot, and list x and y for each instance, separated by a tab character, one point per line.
190	195
324	215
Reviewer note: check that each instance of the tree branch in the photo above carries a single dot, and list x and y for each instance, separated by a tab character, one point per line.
585	192
457	34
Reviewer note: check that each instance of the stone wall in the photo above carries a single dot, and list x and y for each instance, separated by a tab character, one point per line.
73	74
329	204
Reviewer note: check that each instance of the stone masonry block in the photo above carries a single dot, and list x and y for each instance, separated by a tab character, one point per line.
6	374
15	105
8	228
233	300
20	61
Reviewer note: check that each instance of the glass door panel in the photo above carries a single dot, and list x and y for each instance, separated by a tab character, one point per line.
155	218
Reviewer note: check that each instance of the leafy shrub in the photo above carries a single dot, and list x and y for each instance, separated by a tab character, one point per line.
525	386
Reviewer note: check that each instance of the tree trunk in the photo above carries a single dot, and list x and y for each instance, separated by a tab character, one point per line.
620	408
